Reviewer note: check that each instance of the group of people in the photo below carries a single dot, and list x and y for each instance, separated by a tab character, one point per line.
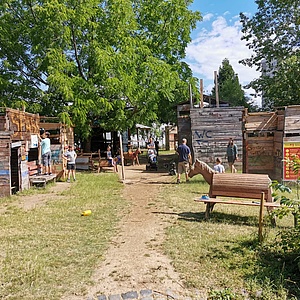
69	156
185	159
183	151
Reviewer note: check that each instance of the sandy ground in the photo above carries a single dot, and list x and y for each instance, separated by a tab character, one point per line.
134	260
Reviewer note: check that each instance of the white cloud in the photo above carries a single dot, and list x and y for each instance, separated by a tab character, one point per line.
211	46
207	17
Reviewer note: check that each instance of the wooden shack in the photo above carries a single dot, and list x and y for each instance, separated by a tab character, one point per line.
19	147
209	129
264	139
18	134
269	138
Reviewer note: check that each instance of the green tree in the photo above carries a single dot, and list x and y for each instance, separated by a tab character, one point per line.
111	62
273	34
230	89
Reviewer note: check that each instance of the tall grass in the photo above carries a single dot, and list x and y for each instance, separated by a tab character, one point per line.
52	249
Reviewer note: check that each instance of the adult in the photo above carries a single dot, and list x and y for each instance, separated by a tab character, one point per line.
232	155
46	152
151	144
71	156
184	159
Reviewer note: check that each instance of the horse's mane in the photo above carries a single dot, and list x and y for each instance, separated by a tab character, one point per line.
204	166
200	167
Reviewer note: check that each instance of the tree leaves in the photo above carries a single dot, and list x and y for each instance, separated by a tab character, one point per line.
113	62
273	33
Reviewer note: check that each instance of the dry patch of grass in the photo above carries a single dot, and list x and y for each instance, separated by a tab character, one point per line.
52	250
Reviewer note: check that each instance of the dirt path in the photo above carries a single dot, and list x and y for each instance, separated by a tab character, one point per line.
134	260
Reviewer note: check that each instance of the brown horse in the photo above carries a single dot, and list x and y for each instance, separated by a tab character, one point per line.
233	184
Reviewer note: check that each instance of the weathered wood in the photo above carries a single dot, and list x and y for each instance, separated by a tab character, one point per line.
41	180
233	184
241	202
104	163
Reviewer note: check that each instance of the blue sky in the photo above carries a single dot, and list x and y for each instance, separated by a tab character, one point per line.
217	37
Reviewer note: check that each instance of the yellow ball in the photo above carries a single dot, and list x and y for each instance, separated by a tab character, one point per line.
86	213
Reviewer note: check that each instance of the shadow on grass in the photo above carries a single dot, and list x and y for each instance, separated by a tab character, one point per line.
216	218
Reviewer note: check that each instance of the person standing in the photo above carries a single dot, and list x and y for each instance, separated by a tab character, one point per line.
232	155
151	144
184	159
46	152
156	143
71	156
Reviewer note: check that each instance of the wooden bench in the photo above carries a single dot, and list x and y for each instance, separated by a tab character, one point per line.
262	203
211	201
41	180
104	163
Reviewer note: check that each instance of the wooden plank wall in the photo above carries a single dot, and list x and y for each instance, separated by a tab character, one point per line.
22	124
292	121
211	129
5	141
184	123
264	135
259	130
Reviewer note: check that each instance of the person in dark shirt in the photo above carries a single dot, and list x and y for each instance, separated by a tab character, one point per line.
232	155
184	158
156	143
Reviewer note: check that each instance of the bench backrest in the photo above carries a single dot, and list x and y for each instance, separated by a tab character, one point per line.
241	185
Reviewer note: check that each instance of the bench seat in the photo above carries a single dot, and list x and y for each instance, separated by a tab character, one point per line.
237	202
41	180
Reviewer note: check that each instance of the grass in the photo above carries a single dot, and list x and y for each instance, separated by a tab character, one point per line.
222	256
53	250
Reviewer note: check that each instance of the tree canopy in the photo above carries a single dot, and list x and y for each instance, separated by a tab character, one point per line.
230	89
111	62
273	34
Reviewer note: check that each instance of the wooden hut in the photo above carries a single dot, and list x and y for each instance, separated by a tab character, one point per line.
19	147
269	138
209	129
18	134
264	139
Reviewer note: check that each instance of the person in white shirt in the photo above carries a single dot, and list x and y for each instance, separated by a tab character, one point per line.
218	167
71	156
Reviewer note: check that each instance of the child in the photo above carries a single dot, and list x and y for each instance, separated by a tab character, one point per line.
71	156
135	157
219	168
112	161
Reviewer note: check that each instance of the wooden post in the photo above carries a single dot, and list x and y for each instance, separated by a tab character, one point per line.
260	221
191	96
201	93
122	156
217	89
